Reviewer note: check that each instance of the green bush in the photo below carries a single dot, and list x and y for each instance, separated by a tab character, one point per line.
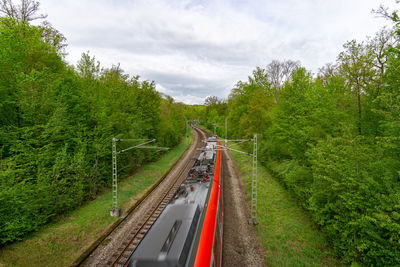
355	199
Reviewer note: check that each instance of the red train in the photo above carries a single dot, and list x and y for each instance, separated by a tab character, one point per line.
189	230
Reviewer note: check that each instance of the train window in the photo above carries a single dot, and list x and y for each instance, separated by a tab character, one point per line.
213	260
215	249
217	243
220	217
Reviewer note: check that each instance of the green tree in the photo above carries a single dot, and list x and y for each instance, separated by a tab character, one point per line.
56	125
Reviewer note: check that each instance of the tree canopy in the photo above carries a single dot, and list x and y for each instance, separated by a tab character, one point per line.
57	123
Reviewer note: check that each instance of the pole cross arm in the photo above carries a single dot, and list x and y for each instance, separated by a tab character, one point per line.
137	146
134	139
154	147
239	140
221	147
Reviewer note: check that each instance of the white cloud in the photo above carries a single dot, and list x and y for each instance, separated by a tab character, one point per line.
189	99
197	48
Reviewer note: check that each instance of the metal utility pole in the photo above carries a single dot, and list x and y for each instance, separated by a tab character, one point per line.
254	184
215	128
226	129
186	132
115	210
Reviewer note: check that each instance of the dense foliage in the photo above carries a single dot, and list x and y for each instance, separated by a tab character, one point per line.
57	122
333	140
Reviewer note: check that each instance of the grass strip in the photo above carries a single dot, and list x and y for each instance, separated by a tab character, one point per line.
62	242
286	231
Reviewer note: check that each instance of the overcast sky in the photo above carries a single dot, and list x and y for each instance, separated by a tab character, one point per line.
193	49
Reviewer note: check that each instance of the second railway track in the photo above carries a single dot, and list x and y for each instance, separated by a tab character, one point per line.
127	236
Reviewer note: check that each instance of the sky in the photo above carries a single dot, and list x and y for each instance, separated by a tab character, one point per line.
195	49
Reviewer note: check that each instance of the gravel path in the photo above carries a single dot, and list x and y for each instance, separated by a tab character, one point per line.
240	247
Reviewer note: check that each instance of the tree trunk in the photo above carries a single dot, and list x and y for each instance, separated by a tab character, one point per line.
359	108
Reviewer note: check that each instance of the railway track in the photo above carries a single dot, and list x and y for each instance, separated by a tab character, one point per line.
133	237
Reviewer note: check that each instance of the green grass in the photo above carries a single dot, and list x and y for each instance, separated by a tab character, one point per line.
285	230
61	242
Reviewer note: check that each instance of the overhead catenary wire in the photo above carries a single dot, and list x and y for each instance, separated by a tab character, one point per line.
137	146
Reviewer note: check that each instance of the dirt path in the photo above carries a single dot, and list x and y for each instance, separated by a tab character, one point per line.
240	247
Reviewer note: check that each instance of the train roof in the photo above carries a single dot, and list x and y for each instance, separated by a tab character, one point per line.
169	242
170	238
